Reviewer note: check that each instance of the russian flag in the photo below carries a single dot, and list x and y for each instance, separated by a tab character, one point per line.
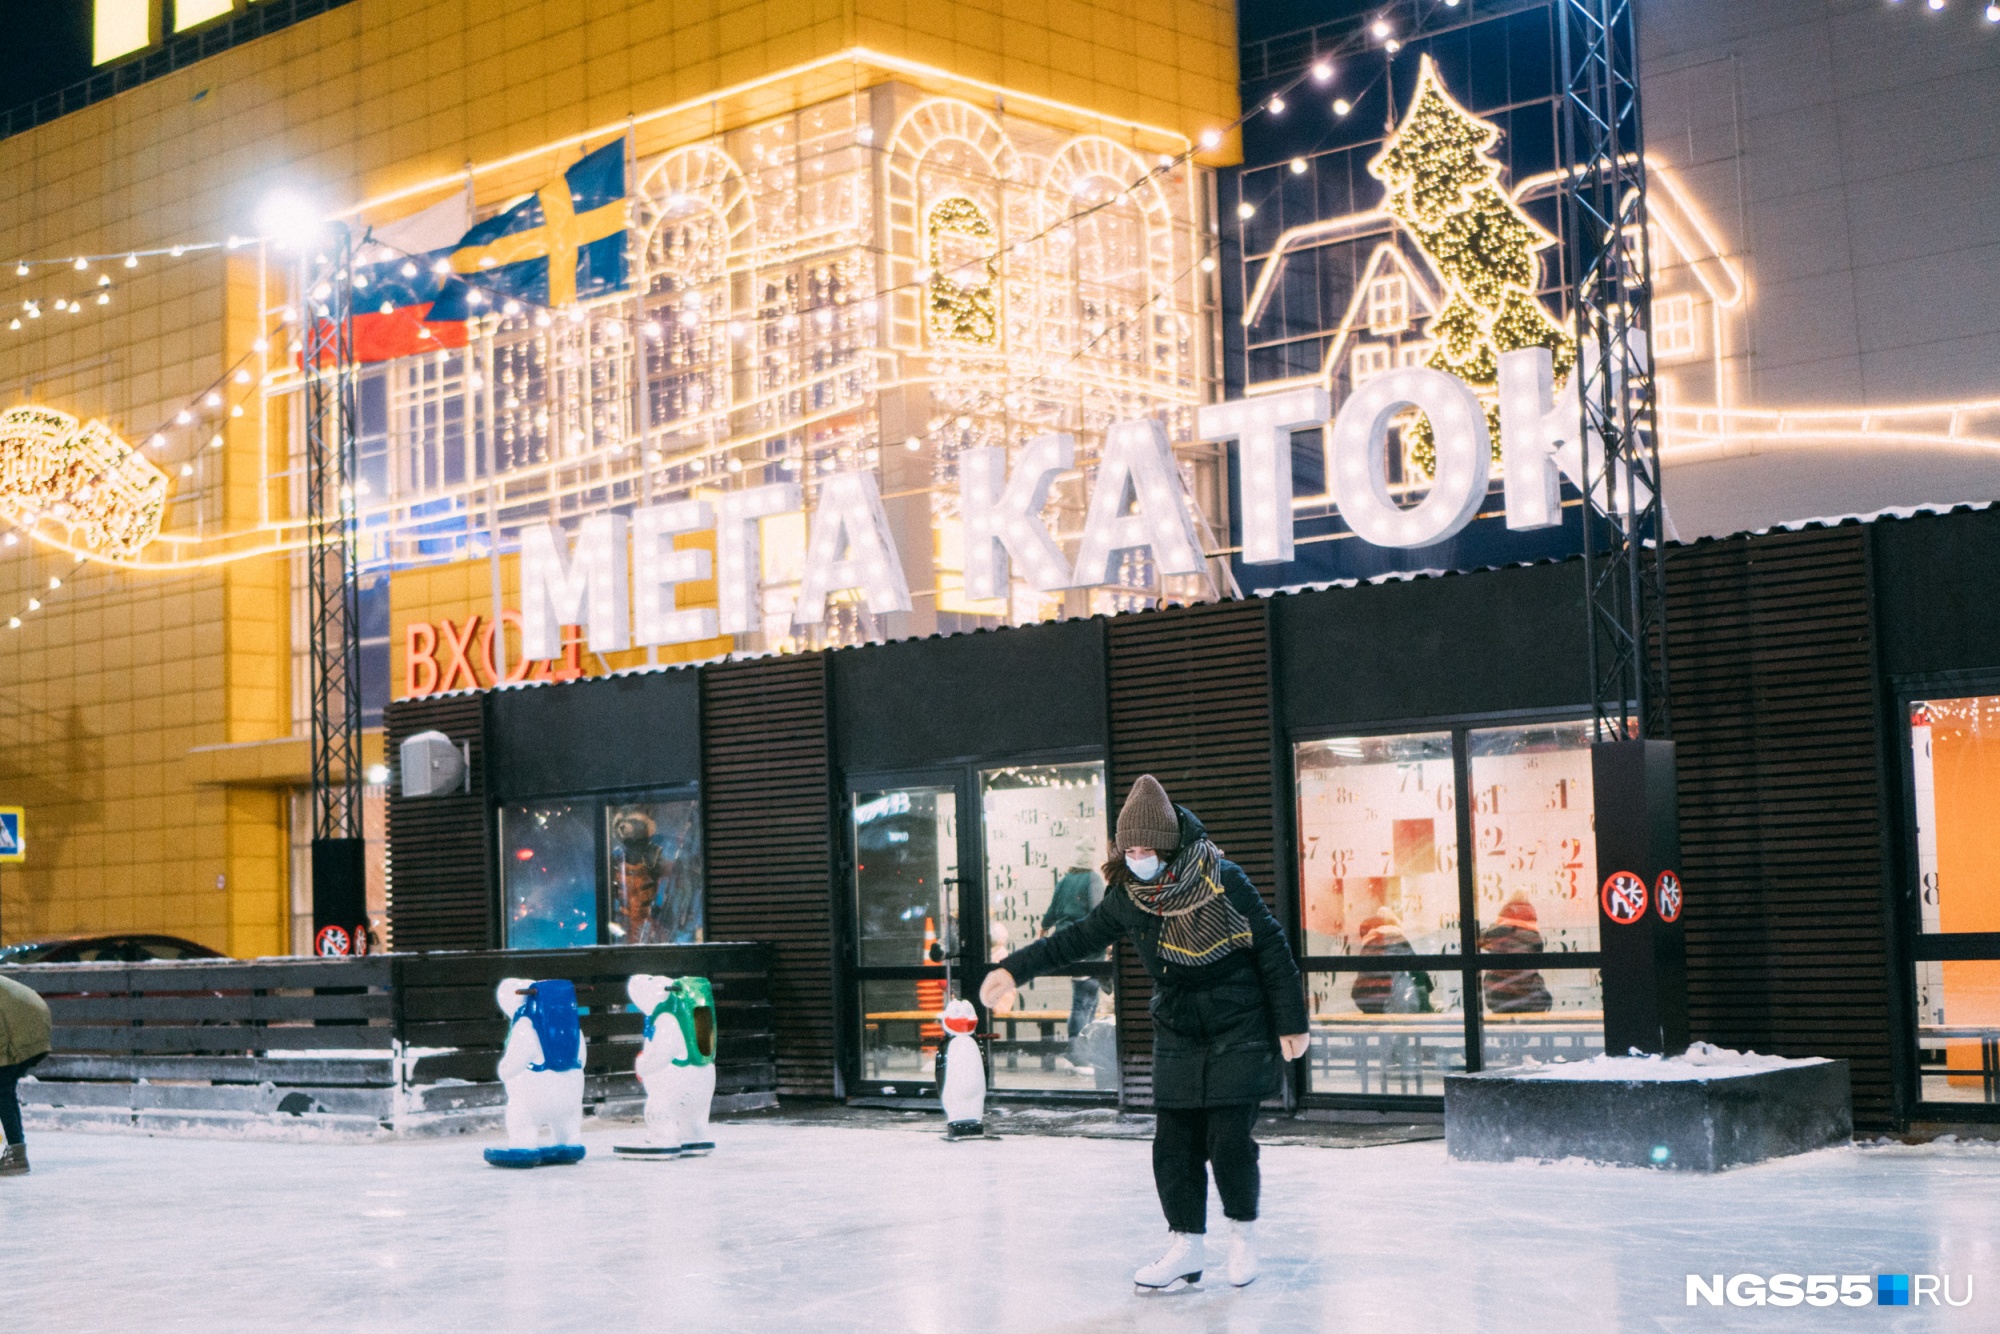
406	299
404	306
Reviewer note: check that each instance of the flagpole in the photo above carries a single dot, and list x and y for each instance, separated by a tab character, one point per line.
481	349
641	288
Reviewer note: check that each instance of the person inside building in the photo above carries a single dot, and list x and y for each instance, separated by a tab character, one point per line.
24	1041
1080	890
1515	931
1228	1011
1407	992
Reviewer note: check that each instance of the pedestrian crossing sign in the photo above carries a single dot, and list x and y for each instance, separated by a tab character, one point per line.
13	834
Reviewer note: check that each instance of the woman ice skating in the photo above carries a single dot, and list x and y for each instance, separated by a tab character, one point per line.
1228	1011
24	1040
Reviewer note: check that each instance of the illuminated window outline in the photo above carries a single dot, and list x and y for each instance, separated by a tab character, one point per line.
1388	305
1676	333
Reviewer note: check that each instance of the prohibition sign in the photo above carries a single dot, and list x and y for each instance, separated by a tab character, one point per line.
332	941
1667	896
1624	898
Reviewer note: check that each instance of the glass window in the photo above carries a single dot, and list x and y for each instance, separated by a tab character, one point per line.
1044	828
900	1033
1395	1033
1534	848
906	877
549	874
1958	1030
1541	1016
1955	759
1378	845
654	846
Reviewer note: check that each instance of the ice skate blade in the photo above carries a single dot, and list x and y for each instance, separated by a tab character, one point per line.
1244	1284
514	1157
1181	1284
649	1152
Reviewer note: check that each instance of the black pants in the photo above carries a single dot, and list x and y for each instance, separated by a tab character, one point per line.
1186	1143
10	1105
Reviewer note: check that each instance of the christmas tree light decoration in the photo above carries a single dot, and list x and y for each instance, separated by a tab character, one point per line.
962	309
1443	186
105	495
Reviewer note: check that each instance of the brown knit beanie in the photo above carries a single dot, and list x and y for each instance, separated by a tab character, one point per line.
1148	820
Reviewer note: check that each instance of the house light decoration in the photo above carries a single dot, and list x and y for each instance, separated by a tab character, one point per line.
1443	186
962	308
105	495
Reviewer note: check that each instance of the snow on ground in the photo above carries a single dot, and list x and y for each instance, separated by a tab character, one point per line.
824	1228
1701	1061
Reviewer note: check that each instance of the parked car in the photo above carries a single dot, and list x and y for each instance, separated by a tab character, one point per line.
106	949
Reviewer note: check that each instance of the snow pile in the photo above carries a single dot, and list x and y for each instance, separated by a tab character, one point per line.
1701	1061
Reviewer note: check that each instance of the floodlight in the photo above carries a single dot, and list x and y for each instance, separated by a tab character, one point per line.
289	220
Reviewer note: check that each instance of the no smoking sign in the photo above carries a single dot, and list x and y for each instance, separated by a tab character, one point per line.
1624	898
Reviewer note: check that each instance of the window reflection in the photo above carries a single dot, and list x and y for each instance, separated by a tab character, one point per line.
1045	843
549	874
906	875
1395	1033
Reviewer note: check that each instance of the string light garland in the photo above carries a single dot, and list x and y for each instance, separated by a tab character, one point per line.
106	495
967	306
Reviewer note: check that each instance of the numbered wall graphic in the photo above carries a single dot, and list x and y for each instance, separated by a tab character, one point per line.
1535	847
1378	846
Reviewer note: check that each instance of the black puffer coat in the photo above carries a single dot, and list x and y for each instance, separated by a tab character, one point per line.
1216	1027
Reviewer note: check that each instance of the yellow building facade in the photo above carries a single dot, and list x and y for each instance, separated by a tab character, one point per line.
152	717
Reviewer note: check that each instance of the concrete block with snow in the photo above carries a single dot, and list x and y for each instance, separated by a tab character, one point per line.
1705	1110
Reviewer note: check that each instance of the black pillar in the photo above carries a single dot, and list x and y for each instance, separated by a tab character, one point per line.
340	891
1639	897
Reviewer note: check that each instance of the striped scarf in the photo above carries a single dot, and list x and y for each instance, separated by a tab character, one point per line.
1201	924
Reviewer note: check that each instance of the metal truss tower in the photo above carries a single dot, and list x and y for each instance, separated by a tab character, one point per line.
326	298
1610	279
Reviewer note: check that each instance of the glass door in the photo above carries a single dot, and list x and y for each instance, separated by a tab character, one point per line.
905	931
1042	833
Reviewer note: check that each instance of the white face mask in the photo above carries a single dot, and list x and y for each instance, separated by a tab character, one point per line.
1143	867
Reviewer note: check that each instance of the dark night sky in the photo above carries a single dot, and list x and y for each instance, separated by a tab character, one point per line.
46	47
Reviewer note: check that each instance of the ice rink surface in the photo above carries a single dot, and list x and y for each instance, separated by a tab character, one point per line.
814	1228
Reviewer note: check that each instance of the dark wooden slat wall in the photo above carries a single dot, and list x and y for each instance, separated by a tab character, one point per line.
768	808
1190	692
1782	800
440	879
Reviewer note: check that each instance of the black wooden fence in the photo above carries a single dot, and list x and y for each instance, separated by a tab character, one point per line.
397	1043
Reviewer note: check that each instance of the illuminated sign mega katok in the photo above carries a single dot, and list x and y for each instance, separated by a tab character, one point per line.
850	547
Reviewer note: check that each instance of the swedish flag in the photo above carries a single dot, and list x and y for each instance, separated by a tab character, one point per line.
563	244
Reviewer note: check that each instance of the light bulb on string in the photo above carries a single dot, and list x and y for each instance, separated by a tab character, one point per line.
183	417
214	400
1379	29
131	261
21	269
242	376
1341	106
81	264
1276	106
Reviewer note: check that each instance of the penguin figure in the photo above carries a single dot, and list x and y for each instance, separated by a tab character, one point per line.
542	1070
964	1091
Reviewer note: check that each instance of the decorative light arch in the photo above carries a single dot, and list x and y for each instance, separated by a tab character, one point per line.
923	130
1093	158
